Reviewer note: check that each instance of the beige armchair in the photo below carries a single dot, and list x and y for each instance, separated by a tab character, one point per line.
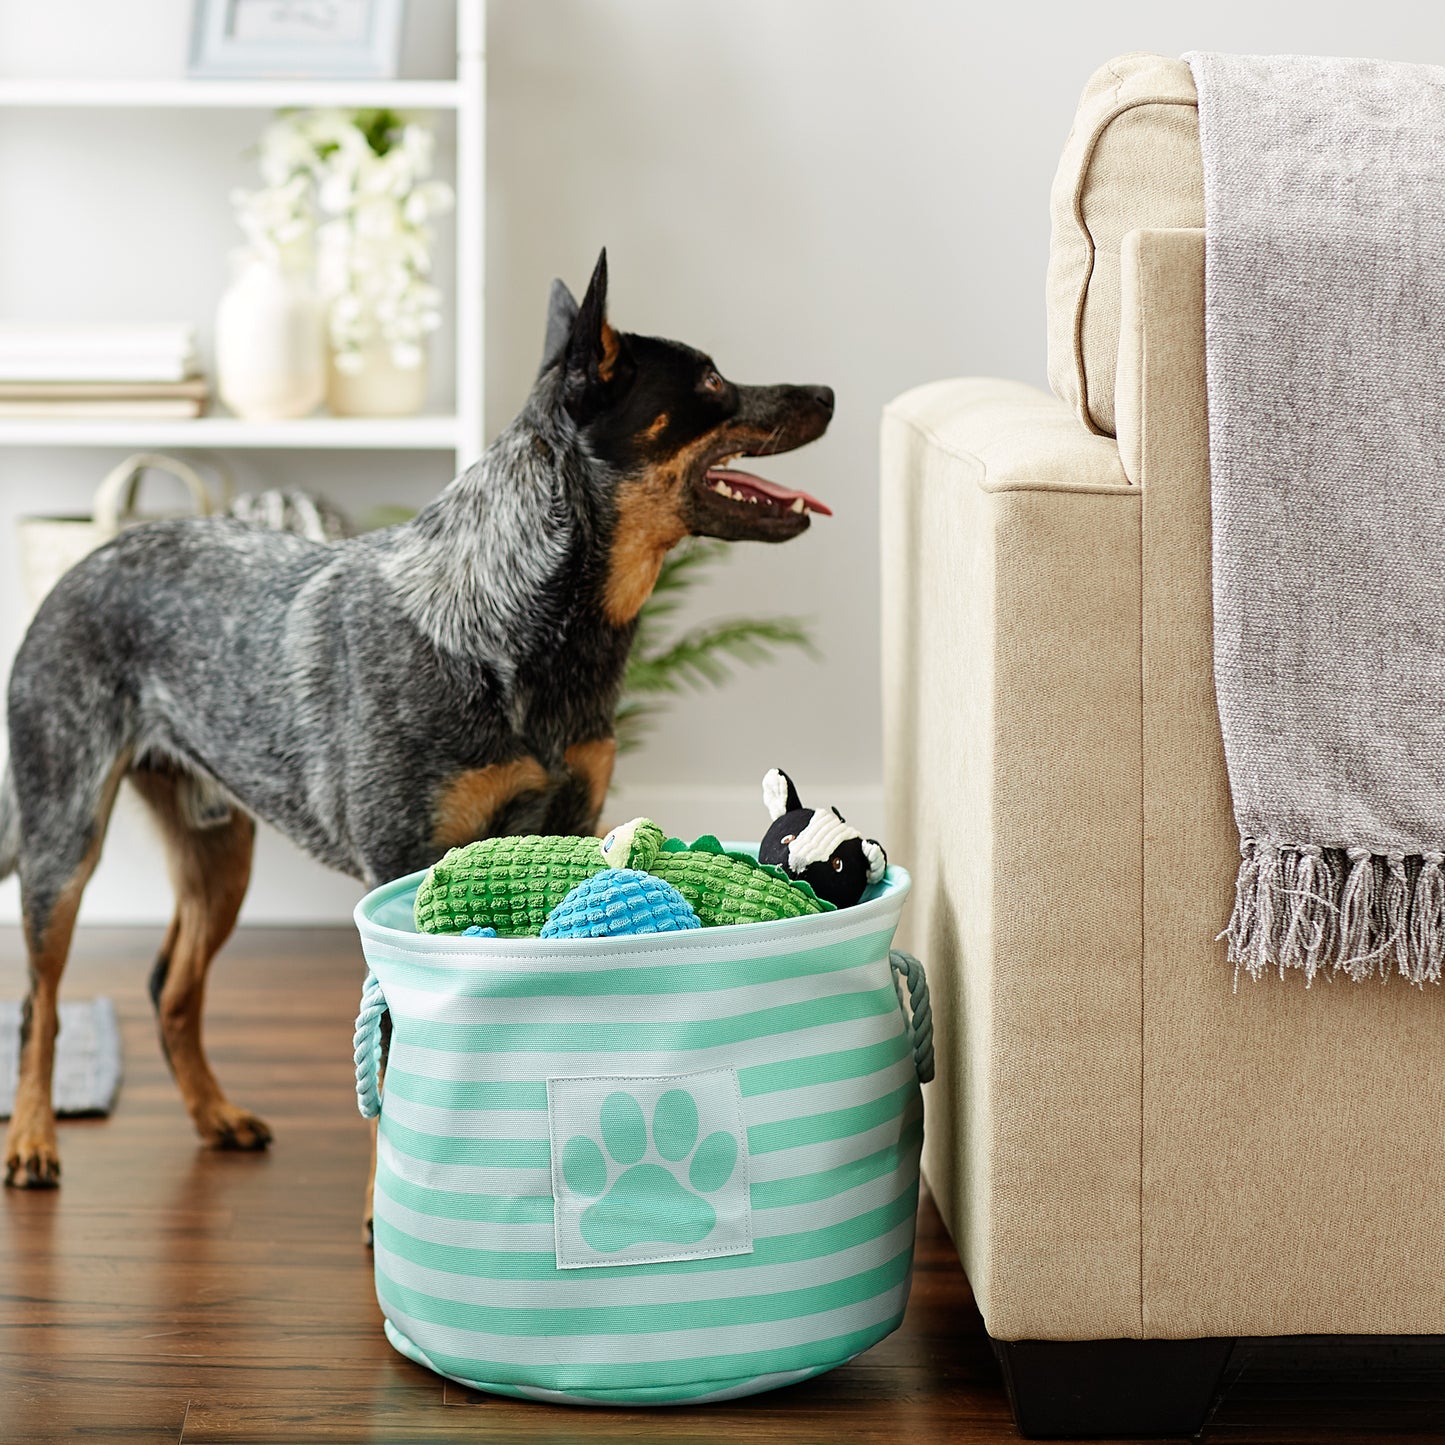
1128	1151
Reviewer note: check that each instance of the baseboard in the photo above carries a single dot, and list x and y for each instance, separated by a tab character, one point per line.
130	885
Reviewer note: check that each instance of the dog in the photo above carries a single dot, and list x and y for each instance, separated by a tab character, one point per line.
379	700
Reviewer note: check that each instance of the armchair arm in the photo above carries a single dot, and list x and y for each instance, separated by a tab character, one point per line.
1005	436
1011	572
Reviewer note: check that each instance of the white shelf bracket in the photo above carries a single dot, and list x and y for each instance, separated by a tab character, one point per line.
471	317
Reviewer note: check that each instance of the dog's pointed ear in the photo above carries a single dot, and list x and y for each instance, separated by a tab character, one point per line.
779	794
592	345
561	317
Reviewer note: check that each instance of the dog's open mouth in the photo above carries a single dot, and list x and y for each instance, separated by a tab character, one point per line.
756	491
737	506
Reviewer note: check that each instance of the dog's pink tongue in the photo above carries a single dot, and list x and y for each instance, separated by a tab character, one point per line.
769	489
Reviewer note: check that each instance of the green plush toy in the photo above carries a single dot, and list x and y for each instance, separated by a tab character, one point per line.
513	884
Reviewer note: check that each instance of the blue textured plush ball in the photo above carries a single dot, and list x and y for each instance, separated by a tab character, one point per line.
617	902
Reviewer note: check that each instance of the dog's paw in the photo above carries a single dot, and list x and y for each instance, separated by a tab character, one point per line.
32	1159
224	1126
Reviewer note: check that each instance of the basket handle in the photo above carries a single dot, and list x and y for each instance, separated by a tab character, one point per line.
115	497
920	1025
367	1039
367	1052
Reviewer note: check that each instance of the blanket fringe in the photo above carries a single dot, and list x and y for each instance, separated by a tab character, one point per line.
1337	910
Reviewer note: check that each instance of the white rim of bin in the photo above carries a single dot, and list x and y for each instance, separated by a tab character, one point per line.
881	909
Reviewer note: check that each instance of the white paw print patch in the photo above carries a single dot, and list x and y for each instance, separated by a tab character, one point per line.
649	1169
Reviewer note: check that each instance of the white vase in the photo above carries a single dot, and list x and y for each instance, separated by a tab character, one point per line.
379	388
270	341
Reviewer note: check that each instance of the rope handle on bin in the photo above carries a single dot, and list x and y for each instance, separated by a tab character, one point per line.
367	1039
911	972
367	1052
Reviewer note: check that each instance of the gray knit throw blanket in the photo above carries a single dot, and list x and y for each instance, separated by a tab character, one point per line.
1324	192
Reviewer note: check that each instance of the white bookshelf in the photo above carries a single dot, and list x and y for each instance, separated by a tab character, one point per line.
340	433
229	94
461	430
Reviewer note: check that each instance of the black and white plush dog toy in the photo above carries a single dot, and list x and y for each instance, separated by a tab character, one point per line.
837	861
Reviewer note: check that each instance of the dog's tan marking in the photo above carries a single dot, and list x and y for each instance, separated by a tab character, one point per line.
593	762
367	1207
32	1154
468	803
649	524
210	870
610	349
658	427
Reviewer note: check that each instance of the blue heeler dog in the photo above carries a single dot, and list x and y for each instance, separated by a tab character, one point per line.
379	700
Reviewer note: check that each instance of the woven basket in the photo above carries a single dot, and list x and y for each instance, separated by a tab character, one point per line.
644	1170
51	546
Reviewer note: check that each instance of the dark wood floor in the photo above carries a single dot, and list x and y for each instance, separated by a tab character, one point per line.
169	1293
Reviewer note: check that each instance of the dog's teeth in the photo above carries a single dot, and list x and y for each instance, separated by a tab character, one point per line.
723	490
797	505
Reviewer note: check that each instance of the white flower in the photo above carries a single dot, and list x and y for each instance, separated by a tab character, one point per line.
347	307
431	198
418	145
336	191
284	152
365	215
377	218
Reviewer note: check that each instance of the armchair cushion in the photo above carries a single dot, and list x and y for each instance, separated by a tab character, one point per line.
1132	161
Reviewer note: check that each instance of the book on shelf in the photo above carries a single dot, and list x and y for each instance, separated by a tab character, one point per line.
134	368
33	352
194	388
139	399
153	407
33	338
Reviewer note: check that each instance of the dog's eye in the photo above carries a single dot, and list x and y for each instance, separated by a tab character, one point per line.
837	865
712	382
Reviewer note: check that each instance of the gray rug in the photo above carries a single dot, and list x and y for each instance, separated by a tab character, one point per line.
87	1058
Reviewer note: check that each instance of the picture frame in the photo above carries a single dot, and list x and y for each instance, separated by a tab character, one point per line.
296	39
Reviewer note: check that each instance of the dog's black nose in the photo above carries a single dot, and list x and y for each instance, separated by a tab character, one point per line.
823	395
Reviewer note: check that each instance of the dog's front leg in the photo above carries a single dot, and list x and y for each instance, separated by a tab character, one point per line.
369	1205
32	1154
592	763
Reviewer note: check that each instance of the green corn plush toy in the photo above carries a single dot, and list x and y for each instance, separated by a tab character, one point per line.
513	884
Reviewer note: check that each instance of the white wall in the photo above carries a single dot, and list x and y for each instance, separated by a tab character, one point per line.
820	190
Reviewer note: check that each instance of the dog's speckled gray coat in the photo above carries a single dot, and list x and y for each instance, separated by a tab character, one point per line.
328	689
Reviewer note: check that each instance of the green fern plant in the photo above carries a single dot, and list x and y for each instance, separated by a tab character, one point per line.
663	666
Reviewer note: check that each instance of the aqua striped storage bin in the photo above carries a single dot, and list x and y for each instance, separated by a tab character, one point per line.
680	1167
